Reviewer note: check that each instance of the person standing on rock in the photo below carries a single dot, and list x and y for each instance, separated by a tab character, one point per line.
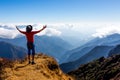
30	40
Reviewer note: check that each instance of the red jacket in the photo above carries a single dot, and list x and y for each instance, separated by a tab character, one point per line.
30	35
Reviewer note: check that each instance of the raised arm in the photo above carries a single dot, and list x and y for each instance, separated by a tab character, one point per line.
40	30
20	30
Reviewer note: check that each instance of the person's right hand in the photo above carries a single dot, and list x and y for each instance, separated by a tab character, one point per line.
16	27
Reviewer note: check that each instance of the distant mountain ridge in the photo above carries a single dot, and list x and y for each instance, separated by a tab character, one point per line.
11	51
95	53
74	54
53	46
114	51
110	40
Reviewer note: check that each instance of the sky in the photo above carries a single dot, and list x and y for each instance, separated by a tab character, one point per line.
59	11
71	19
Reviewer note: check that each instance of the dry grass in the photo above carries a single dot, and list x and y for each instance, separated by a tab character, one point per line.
46	68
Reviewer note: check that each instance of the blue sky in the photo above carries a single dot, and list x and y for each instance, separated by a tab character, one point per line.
59	11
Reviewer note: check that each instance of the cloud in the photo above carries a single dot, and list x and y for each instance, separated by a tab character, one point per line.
103	32
78	30
9	31
7	26
50	32
57	29
6	33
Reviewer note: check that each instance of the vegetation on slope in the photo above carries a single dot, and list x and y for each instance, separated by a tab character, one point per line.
101	69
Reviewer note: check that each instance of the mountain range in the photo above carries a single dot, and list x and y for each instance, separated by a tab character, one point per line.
92	50
74	54
114	51
75	61
62	50
95	53
51	45
11	51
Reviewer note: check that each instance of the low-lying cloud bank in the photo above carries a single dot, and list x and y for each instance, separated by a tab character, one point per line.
79	30
10	31
103	32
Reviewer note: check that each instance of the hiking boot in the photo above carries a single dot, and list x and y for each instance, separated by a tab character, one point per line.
29	62
33	63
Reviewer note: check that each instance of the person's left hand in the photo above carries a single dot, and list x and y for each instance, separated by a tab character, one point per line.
45	26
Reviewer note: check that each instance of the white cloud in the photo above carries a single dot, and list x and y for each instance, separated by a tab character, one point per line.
49	31
79	30
6	33
7	26
52	32
9	31
103	32
57	29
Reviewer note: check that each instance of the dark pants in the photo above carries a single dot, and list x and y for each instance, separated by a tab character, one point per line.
30	47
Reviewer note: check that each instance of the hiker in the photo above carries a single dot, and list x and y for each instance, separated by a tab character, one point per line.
30	40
